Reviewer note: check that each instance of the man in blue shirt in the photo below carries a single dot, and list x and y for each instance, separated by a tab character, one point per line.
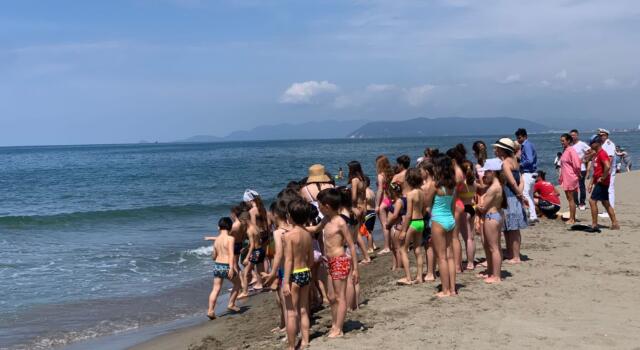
528	168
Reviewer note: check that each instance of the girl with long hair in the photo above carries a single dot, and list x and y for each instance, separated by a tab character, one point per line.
359	203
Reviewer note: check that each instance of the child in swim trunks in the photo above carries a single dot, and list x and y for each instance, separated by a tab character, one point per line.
341	266
298	257
223	266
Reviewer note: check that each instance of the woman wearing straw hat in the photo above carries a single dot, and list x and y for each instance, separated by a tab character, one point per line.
514	216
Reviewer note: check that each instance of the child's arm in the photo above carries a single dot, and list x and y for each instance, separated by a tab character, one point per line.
288	265
379	193
210	238
397	207
354	190
319	227
346	234
408	215
214	254
277	258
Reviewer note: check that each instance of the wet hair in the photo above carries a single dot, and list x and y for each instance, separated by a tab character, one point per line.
413	178
384	167
404	161
428	167
355	171
469	172
330	197
444	173
480	151
521	132
455	155
541	174
567	137
462	151
294	185
345	197
367	181
225	223
299	211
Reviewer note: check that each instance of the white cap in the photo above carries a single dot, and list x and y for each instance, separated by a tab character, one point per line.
249	195
601	131
492	164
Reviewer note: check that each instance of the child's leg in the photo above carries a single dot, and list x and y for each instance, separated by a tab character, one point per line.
440	249
494	257
418	251
293	316
245	280
453	265
404	257
352	294
282	308
363	248
456	244
237	285
468	236
213	297
508	242
382	215
431	263
612	215
515	246
396	248
340	306
303	306
594	212
487	251
572	207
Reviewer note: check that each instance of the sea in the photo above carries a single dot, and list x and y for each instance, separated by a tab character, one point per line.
98	241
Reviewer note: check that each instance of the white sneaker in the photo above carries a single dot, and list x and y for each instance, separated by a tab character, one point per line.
583	207
603	215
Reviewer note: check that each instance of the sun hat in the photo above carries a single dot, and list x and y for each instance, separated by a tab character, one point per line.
506	143
603	131
595	139
317	174
250	195
492	164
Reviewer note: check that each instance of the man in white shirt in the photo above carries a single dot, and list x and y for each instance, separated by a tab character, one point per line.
581	148
609	147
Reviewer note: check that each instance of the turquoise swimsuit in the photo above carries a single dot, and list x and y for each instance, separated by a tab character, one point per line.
441	212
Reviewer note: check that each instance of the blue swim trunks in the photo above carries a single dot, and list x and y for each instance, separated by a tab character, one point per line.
220	270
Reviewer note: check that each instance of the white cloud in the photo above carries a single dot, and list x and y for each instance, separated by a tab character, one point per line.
418	95
380	87
561	75
305	92
511	79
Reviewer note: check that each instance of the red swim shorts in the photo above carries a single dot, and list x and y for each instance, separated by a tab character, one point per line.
339	267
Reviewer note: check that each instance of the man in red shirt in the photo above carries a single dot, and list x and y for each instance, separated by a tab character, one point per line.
599	186
546	196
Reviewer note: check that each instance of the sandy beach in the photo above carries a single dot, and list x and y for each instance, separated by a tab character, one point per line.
574	290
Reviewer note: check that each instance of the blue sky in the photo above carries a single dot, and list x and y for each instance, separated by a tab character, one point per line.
121	71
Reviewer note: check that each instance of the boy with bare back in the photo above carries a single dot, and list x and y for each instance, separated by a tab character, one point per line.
223	266
490	210
413	227
298	258
255	256
336	235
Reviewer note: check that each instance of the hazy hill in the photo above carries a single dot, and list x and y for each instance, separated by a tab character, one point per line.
421	127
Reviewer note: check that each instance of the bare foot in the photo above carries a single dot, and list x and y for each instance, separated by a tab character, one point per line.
418	281
514	261
370	250
279	330
211	315
443	295
571	222
615	227
430	278
471	266
492	280
403	282
243	295
384	252
365	262
335	334
233	308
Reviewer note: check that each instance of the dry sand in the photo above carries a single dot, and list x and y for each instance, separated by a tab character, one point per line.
575	290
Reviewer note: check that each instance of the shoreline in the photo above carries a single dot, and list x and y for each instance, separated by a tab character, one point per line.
574	289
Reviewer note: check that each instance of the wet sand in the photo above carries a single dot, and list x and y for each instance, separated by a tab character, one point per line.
574	290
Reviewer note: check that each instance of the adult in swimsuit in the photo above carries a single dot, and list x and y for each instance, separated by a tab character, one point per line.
443	223
383	201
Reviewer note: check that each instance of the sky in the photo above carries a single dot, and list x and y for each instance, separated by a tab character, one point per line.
78	72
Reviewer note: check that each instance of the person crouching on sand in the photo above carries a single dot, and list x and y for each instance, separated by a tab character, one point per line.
599	186
298	257
336	236
223	266
490	209
413	227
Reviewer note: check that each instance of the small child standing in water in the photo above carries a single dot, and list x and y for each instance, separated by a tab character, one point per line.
298	257
223	266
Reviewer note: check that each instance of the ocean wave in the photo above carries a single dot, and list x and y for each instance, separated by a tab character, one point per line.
202	251
88	217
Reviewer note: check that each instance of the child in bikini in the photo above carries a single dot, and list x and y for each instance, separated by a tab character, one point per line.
370	215
223	266
413	227
298	257
428	184
337	235
394	223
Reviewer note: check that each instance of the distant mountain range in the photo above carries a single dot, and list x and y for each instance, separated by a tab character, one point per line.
418	127
326	129
421	127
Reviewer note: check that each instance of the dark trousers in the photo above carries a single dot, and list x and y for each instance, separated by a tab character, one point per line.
583	190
